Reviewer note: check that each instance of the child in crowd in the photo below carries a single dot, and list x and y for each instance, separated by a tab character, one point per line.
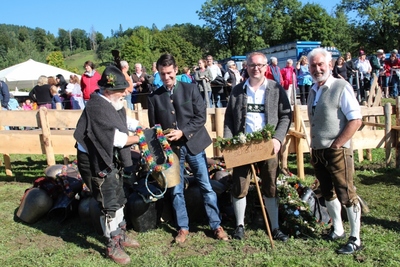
56	98
27	105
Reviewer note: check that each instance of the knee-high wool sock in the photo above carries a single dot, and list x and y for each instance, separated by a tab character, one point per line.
354	216
239	207
334	209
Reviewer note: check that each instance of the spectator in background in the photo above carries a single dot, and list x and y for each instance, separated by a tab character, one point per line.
89	80
186	77
27	105
243	72
232	76
392	65
364	68
218	93
129	90
304	79
340	69
41	93
203	77
4	95
157	83
351	68
55	97
13	103
142	82
75	93
51	80
376	65
289	80
273	72
62	91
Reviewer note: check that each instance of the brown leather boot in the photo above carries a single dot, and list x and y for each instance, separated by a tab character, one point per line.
181	237
125	240
114	250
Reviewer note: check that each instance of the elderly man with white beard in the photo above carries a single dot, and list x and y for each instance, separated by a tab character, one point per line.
335	116
103	133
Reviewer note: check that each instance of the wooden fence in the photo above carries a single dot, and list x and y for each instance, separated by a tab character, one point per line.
51	133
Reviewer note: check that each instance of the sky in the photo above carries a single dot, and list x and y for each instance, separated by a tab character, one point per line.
106	16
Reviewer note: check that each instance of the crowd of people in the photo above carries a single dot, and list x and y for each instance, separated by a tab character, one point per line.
258	95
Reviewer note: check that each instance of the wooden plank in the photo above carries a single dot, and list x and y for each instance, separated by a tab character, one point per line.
28	118
63	118
46	137
21	142
369	139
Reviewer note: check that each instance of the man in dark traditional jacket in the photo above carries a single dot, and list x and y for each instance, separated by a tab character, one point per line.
180	107
103	146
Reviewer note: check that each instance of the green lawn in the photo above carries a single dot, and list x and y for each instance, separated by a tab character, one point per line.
74	243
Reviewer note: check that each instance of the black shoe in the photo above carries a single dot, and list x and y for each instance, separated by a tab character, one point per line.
331	236
278	235
350	247
239	233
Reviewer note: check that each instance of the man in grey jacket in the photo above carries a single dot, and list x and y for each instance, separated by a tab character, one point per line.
252	105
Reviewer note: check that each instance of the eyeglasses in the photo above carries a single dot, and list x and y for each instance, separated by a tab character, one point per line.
259	66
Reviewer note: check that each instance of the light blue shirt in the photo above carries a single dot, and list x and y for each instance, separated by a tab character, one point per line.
157	80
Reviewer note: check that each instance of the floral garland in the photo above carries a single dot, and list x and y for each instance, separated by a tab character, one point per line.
295	215
264	134
148	157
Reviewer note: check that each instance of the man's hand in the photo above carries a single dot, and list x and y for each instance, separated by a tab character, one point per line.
277	145
174	135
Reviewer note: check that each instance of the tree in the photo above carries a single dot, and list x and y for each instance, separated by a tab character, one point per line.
41	40
63	40
56	59
313	23
378	23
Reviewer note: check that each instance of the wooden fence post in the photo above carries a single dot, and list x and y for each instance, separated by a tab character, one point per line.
46	137
388	132
299	143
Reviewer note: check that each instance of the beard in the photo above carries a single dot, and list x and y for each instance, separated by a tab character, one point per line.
117	103
323	78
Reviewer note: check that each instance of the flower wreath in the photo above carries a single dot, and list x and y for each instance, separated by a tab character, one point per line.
148	157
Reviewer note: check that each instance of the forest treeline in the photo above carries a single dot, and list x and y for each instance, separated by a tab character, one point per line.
232	27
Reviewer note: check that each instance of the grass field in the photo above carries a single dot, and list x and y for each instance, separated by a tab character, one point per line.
75	62
74	243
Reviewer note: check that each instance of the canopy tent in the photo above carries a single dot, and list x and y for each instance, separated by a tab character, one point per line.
26	74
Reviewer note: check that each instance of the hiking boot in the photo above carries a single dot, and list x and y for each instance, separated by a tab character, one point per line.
331	236
220	234
239	233
125	240
115	252
350	247
278	235
181	237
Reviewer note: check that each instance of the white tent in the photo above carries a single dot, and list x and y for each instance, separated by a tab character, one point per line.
26	74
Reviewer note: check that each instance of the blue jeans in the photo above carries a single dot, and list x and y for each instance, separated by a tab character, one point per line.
198	164
395	86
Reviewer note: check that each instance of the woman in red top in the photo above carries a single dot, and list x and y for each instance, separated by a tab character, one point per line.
89	80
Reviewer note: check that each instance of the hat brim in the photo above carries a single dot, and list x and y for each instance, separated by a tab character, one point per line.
115	87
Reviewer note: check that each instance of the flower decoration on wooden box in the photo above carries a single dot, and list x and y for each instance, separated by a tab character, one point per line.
265	133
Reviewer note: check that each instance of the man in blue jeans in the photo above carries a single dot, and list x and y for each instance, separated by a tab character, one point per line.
180	107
